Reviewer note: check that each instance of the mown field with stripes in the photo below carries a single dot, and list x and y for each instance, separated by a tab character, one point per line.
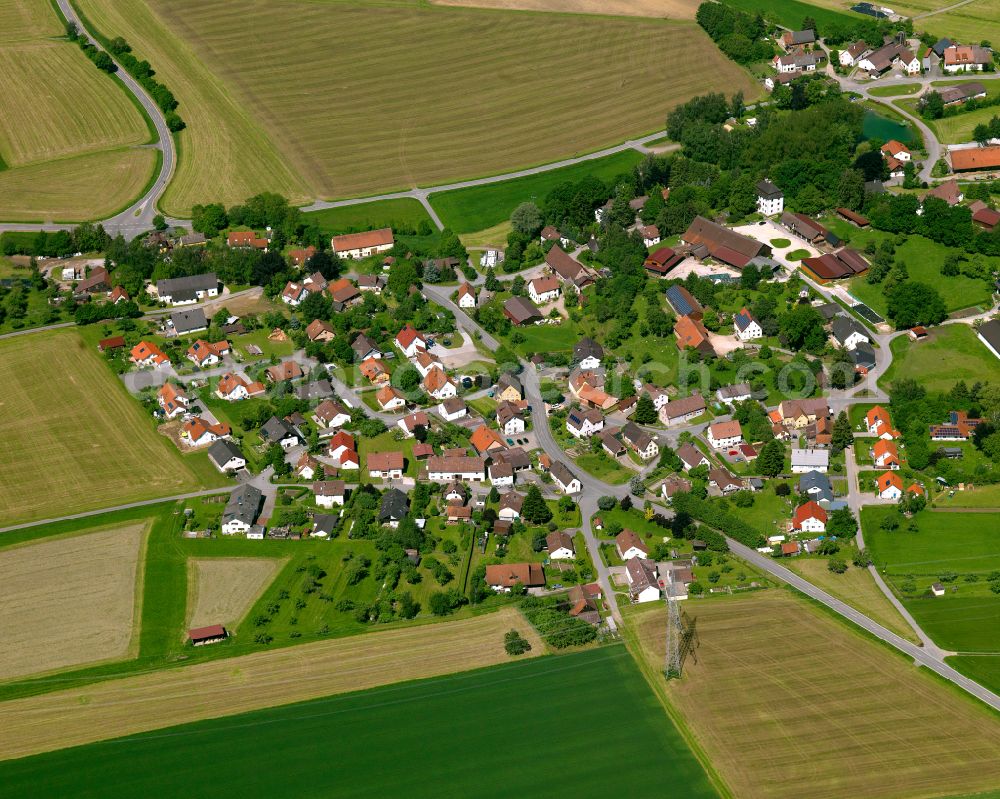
67	131
359	98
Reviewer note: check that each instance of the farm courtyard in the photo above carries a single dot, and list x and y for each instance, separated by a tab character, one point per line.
546	87
75	440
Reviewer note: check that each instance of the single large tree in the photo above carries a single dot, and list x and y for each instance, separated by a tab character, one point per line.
842	436
534	508
771	459
526	219
645	411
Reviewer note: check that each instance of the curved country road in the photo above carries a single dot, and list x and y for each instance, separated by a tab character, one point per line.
138	217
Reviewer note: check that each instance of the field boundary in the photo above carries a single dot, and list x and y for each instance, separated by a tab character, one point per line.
252	682
658	685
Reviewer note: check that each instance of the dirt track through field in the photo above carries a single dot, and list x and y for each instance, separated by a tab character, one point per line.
221	590
790	703
68	601
264	679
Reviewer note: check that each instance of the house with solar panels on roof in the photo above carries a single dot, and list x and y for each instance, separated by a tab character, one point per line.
746	327
683	303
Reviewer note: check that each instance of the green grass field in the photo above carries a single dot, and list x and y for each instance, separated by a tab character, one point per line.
591	712
923	259
952	353
76	440
415	99
368	216
967	618
480	207
73	161
896	90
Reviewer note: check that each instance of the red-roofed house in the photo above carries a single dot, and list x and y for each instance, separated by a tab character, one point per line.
889	485
146	353
203	353
885	454
409	340
173	399
809	517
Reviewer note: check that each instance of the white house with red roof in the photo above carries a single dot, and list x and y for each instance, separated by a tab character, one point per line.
203	353
879	423
146	353
889	486
294	293
546	288
409	341
809	517
173	399
466	296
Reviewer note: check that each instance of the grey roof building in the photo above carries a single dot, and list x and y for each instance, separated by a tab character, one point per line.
189	321
844	327
225	454
394	506
186	289
276	430
587	348
243	505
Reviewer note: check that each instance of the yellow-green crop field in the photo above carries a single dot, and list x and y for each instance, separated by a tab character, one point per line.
74	439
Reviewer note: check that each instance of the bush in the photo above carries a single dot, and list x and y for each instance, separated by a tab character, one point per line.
515	644
837	565
606	503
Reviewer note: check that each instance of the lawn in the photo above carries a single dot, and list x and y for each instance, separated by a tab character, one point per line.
420	723
369	216
548	87
477	208
761	699
959	128
547	338
895	90
790	13
72	162
604	467
923	259
950	354
76	440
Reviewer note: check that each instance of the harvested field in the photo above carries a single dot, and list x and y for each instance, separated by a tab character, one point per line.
787	702
222	590
69	601
64	125
236	685
224	153
27	19
671	9
548	87
857	588
75	440
74	108
75	189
